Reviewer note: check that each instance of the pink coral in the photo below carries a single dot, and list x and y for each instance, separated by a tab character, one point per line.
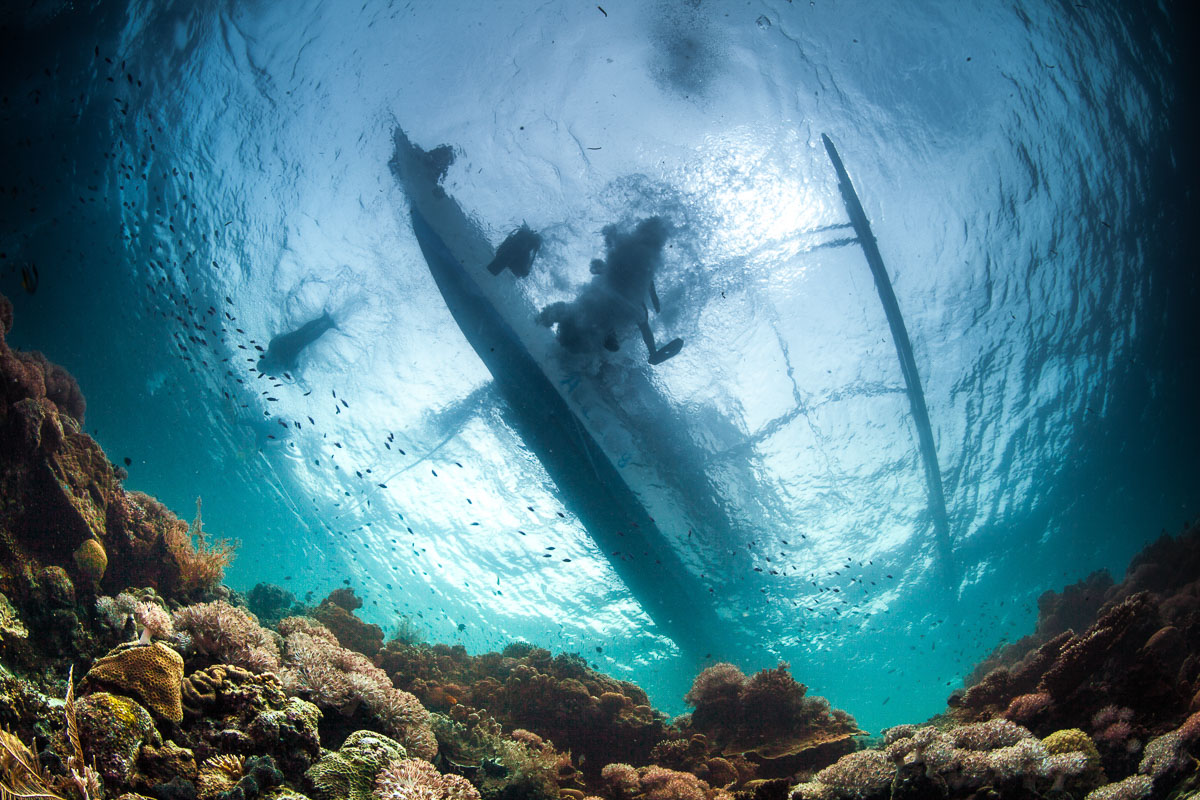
989	735
414	779
228	635
1110	714
335	677
290	625
155	621
1025	707
1116	734
622	779
659	783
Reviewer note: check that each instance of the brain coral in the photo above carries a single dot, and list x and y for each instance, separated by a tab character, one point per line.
350	773
150	673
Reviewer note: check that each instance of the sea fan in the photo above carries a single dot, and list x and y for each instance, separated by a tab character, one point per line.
21	774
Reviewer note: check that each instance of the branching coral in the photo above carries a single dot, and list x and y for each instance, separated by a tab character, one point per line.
228	635
341	679
201	561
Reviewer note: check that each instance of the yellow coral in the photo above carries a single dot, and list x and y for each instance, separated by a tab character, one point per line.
1073	740
91	560
152	673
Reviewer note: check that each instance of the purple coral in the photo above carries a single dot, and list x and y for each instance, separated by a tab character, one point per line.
414	779
229	635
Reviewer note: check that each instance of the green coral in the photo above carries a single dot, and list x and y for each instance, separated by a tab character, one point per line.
11	626
113	729
502	767
349	774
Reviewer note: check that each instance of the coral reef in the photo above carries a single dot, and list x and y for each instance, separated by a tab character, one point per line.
153	674
189	696
599	719
411	778
768	719
336	612
1100	646
351	772
341	680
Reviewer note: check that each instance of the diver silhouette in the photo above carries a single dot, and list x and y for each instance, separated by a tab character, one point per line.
616	295
517	252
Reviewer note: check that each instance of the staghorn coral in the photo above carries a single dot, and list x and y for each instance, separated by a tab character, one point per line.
1139	649
1026	707
228	635
768	719
151	673
414	779
715	695
1086	652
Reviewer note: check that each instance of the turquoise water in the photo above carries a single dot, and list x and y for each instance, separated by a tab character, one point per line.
193	179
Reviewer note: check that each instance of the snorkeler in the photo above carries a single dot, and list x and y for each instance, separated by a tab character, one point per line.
517	252
616	295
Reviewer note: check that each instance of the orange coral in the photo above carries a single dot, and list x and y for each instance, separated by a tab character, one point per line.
201	563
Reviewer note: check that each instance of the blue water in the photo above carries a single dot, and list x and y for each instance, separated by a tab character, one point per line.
179	171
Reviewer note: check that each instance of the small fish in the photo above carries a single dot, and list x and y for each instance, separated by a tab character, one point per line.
128	461
30	278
